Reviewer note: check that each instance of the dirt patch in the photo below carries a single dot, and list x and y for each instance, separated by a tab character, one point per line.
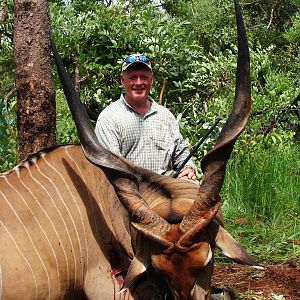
269	283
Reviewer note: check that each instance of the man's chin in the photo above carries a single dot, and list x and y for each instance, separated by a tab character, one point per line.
140	95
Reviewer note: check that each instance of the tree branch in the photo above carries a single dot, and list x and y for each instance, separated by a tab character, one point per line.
271	16
8	95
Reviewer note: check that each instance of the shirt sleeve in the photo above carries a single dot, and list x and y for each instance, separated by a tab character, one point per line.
107	134
181	151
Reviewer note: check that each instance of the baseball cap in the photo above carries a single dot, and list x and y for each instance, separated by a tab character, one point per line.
136	58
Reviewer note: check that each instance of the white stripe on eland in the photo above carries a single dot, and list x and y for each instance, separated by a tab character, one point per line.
60	214
40	226
71	217
48	217
21	254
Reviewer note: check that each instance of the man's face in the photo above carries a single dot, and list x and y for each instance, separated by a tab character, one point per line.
137	84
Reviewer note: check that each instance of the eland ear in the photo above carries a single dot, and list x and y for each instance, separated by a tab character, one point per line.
232	249
136	268
139	264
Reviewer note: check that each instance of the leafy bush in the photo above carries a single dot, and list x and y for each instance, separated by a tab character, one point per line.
102	39
8	139
66	130
197	58
293	33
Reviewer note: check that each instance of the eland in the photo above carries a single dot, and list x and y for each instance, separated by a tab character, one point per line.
79	222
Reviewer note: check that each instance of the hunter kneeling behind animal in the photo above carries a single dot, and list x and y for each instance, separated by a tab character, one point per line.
138	128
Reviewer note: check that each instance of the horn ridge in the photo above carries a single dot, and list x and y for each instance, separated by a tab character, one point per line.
187	239
213	164
93	150
143	219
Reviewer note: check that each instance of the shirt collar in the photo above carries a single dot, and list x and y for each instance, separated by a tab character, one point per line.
153	108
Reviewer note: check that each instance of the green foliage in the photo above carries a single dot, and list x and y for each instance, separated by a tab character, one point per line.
6	60
274	94
6	70
8	144
194	48
66	130
102	39
268	19
293	33
212	21
264	190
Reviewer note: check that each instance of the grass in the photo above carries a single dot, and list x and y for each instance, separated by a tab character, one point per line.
261	202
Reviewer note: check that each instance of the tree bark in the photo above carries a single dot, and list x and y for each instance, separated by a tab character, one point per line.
36	117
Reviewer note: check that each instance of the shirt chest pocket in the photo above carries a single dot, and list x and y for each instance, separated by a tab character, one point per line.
162	137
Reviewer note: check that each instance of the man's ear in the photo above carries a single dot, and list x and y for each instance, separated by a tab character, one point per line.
122	79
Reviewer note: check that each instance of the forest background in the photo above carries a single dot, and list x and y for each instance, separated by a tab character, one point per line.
193	48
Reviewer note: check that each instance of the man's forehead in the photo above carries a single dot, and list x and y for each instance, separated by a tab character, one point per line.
144	72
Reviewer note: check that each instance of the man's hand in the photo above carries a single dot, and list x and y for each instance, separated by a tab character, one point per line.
189	172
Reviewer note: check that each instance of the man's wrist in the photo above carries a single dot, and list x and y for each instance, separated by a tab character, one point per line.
188	167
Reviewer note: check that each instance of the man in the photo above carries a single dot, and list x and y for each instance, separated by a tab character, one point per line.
139	129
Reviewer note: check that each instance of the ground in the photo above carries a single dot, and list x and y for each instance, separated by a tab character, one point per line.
278	281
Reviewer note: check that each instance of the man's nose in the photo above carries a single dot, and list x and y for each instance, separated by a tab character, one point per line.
138	81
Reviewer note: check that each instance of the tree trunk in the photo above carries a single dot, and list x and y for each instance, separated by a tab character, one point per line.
36	117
